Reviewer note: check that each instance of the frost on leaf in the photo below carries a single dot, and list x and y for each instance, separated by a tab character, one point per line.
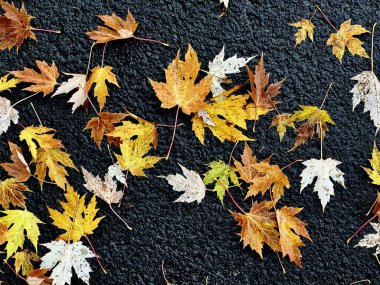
305	29
220	68
63	257
367	90
325	170
190	182
7	115
372	240
105	190
76	82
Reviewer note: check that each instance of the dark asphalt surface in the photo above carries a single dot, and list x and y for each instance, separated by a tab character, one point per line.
197	241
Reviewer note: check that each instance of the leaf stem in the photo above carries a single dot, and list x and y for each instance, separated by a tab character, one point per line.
168	126
14	271
370	209
290	164
24	99
232	152
96	255
35	112
361	227
372	44
45	30
327	19
174	132
151	40
120	218
234	201
104	54
326	95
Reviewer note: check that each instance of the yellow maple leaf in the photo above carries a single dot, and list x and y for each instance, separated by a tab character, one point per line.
306	29
374	173
258	227
133	157
222	114
99	77
11	192
23	261
143	129
180	88
53	161
77	218
291	228
18	222
315	118
42	135
6	84
282	122
345	37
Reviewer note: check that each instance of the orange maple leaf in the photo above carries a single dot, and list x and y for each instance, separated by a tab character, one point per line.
19	168
180	88
291	229
44	81
258	227
14	26
117	28
103	124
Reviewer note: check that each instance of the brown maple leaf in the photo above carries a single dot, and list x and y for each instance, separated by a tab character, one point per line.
11	192
291	229
19	168
37	277
44	81
103	124
258	227
14	26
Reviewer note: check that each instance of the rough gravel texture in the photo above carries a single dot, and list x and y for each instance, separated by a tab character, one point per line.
199	241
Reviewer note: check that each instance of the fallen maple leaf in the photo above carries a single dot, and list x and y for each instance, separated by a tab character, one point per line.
324	170
14	26
222	176
220	68
258	227
291	229
23	261
374	173
180	88
190	182
7	115
115	171
6	84
11	193
133	157
305	29
371	240
20	223
19	169
367	90
99	77
76	82
44	81
104	124
345	37
77	218
65	256
282	122
315	118
225	7
37	277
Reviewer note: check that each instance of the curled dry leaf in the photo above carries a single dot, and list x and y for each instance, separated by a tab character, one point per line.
367	90
180	88
345	37
76	82
20	223
105	190
220	68
324	170
6	85
63	257
19	168
12	193
190	182
116	28
77	219
99	77
7	115
221	175
14	26
305	29
104	124
43	82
